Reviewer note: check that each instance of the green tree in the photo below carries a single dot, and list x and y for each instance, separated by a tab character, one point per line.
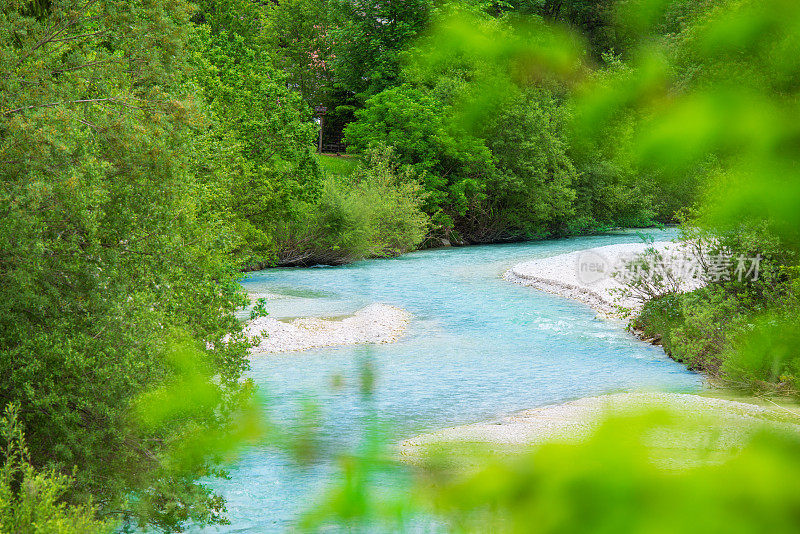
31	502
452	163
532	193
706	105
106	251
300	34
260	132
369	39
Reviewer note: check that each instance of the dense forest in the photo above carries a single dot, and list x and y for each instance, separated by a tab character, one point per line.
150	151
389	92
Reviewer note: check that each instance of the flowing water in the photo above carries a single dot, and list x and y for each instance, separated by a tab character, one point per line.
478	347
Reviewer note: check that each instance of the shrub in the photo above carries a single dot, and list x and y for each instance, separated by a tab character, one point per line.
531	194
717	329
452	164
376	212
30	500
766	357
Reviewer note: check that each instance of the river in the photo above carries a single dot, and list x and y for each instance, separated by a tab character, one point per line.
478	347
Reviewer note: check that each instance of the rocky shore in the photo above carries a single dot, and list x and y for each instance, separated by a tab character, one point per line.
586	275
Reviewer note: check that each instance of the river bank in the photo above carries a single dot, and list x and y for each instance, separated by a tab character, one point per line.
591	275
588	276
711	424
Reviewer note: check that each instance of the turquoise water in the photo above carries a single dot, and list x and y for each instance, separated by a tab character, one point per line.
477	348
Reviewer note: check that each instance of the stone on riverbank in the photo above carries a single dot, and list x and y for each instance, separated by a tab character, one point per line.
377	323
561	275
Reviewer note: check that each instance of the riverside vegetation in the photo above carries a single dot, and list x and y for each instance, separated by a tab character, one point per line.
150	151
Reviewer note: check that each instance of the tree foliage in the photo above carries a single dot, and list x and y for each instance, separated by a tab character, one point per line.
107	251
369	40
259	136
376	211
149	150
300	33
31	501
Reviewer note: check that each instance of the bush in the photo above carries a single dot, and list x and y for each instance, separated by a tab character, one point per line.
658	317
766	357
693	328
719	328
30	501
452	164
376	212
531	194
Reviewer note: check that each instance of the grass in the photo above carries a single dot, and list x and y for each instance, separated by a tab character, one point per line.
337	165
